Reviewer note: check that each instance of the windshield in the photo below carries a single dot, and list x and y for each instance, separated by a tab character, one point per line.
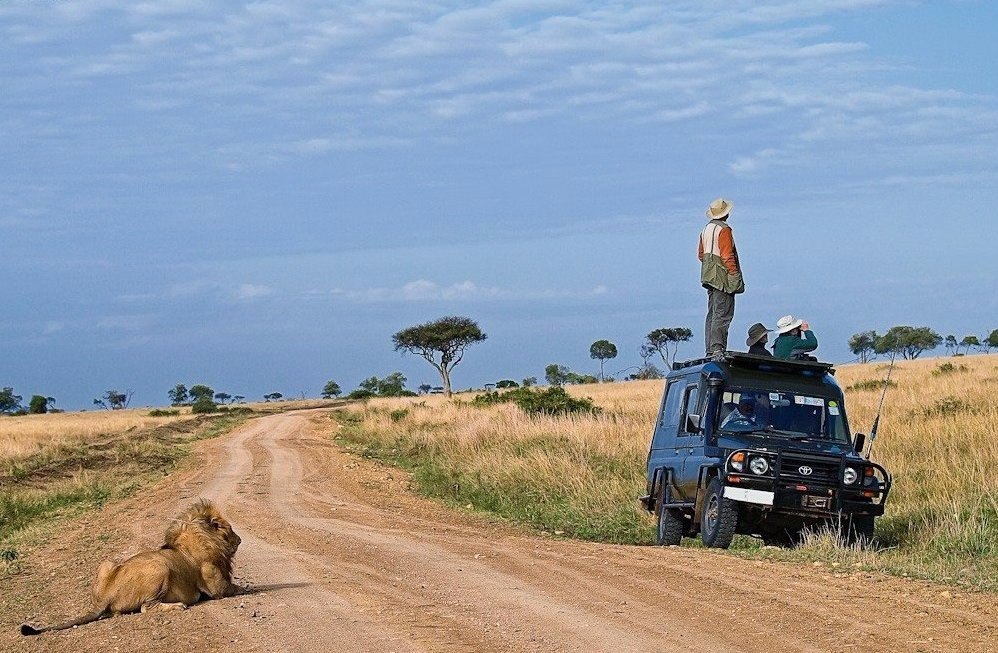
787	414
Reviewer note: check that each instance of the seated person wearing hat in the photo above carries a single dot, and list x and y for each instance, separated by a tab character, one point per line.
795	337
758	335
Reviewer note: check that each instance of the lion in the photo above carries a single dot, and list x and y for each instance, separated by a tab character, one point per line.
194	561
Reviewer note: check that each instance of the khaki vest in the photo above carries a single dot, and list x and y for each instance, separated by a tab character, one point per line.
713	274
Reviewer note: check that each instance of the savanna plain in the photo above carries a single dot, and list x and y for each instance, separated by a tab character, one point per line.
391	498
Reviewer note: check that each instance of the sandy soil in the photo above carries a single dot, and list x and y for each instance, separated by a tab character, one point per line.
341	556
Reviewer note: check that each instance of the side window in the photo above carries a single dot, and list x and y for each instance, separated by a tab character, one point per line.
668	422
690	403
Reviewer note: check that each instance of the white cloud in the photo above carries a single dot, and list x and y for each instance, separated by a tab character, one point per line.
249	291
423	290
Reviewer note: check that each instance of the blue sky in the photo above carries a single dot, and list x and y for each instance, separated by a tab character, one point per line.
256	196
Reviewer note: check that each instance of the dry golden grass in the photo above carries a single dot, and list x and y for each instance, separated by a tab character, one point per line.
581	475
28	434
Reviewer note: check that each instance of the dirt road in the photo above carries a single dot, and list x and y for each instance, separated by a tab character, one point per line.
341	556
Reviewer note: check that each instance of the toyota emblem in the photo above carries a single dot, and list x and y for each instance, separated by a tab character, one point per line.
805	470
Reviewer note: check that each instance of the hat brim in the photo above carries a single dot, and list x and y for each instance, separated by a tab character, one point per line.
751	341
727	211
790	327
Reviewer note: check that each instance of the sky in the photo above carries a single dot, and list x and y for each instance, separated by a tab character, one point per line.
257	195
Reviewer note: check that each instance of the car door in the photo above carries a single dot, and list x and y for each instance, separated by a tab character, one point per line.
689	439
663	449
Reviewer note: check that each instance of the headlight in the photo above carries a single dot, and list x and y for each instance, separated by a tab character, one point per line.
738	461
849	476
758	465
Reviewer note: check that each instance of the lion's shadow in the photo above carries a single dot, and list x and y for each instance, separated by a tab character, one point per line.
272	587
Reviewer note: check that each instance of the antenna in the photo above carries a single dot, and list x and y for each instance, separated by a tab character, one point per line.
876	421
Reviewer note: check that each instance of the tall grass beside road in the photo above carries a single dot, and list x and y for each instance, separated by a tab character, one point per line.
580	475
63	463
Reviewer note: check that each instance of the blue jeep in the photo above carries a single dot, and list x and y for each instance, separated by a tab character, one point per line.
759	446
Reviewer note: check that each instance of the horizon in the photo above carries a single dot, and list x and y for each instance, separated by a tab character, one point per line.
257	196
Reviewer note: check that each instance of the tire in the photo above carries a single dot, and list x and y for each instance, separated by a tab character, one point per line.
670	527
858	529
719	517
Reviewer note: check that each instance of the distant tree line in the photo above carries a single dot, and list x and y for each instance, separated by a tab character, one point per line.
10	403
911	342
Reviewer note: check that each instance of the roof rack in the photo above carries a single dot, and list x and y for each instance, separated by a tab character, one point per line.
758	362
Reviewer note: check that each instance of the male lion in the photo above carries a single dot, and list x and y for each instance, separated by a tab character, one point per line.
195	560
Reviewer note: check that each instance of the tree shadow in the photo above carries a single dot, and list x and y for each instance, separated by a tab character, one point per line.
272	587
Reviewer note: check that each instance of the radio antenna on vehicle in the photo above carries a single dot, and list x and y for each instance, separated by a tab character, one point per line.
876	420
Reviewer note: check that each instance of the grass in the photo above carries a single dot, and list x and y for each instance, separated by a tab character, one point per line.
73	471
580	475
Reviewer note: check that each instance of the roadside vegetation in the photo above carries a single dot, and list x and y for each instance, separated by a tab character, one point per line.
58	465
578	474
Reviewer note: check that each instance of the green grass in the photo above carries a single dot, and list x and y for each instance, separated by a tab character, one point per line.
69	479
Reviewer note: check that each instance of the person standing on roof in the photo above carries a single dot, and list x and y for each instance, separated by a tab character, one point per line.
720	274
795	337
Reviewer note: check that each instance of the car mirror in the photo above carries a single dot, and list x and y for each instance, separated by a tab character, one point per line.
692	423
859	442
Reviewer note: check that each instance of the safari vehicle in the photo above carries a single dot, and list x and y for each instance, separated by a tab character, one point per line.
759	446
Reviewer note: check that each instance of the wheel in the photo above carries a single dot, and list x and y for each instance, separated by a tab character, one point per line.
858	529
669	530
719	517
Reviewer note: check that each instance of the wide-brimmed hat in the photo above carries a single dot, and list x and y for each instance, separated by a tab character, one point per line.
719	208
755	333
788	323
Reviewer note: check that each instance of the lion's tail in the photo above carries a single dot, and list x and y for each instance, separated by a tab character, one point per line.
28	629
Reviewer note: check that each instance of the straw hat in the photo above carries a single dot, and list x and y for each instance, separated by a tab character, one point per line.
719	208
755	333
788	323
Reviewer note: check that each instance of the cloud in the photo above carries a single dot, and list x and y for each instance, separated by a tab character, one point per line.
423	290
249	291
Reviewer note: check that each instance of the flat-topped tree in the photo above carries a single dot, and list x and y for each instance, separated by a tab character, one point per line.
441	342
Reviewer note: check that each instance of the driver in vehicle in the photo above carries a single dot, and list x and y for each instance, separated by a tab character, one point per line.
744	415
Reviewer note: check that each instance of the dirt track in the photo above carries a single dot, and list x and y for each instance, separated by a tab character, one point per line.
342	557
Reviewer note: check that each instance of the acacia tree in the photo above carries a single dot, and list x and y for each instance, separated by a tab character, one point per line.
331	389
863	345
114	400
968	342
441	342
178	395
200	390
991	341
952	346
666	342
9	402
911	342
602	350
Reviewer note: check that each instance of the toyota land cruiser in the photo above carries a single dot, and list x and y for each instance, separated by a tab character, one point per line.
759	446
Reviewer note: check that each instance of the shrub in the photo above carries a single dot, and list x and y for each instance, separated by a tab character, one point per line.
398	415
360	393
159	412
871	384
948	368
947	407
552	401
204	404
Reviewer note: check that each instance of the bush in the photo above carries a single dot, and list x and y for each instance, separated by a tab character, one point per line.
398	415
947	407
360	393
159	412
871	384
204	404
552	401
948	368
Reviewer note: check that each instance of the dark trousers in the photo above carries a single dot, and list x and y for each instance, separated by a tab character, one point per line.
720	312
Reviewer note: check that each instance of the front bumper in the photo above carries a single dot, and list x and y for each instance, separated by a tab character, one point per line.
784	489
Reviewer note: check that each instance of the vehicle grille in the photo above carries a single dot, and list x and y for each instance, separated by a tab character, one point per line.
824	470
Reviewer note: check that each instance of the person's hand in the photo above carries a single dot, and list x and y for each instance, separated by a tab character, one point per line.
805	326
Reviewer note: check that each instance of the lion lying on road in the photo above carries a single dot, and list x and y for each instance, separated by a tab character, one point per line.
195	560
